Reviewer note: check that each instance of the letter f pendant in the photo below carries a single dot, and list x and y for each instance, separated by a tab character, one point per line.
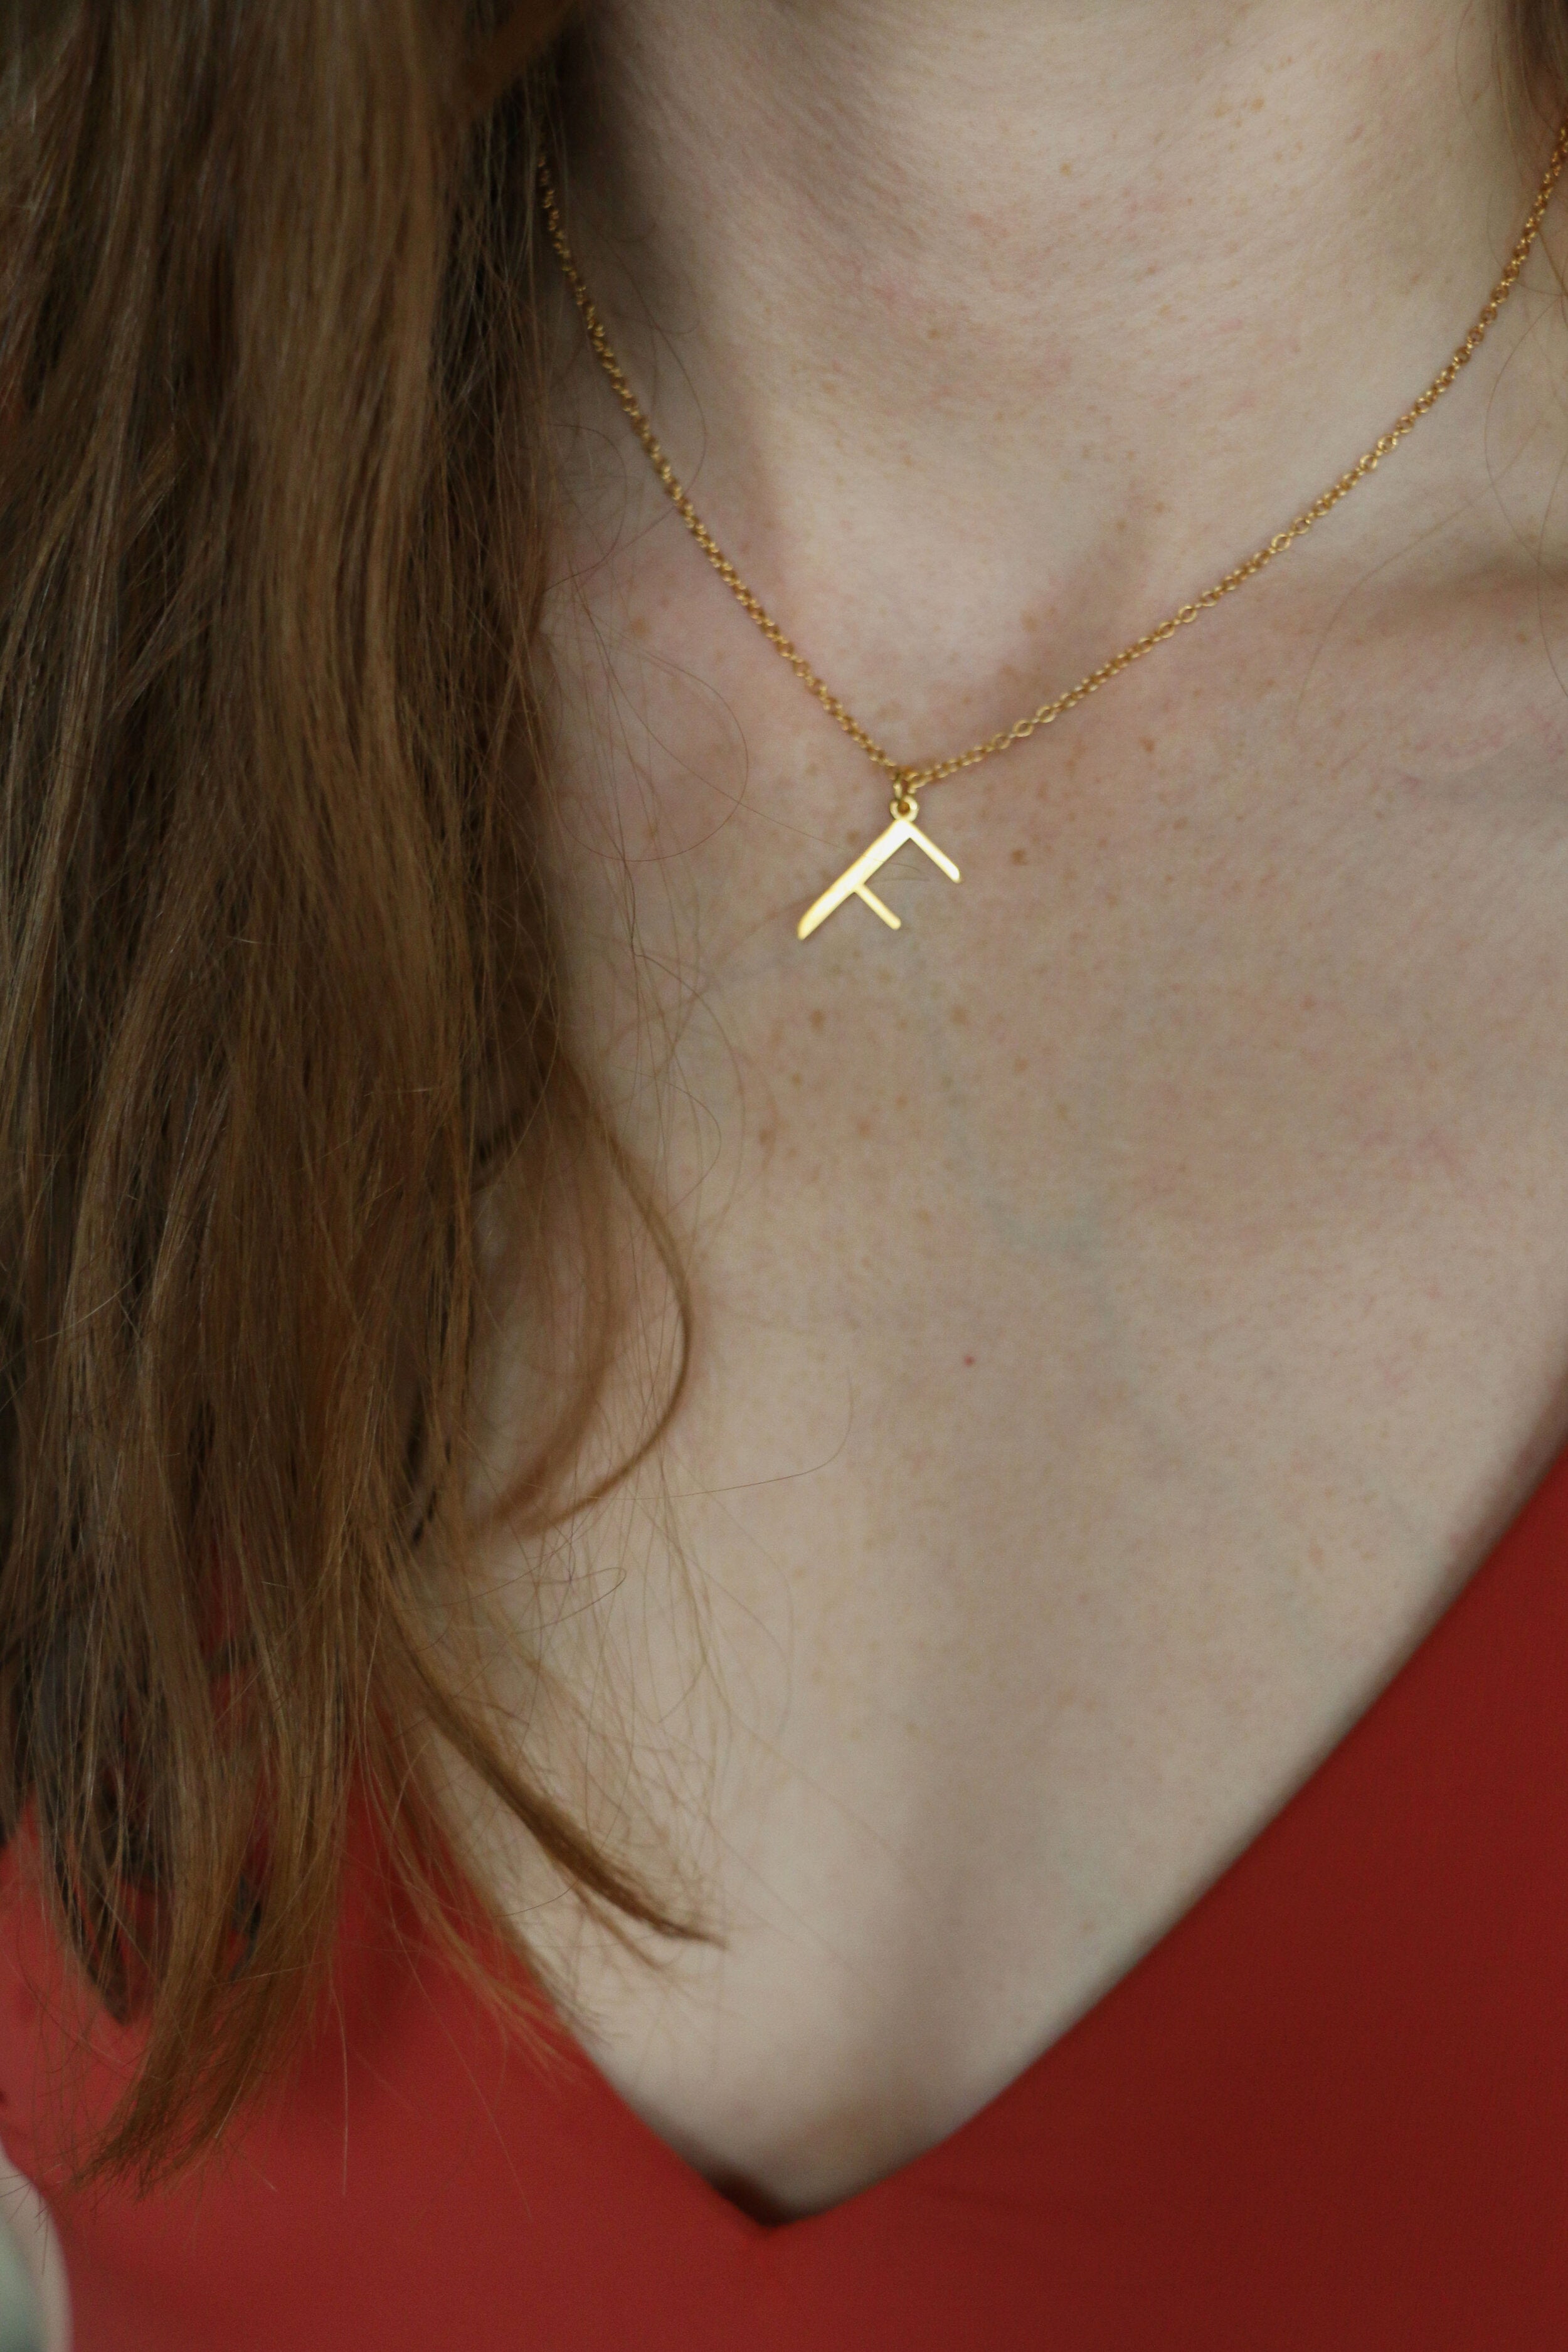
854	881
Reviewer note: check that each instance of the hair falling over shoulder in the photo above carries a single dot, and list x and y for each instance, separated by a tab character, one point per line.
276	989
275	974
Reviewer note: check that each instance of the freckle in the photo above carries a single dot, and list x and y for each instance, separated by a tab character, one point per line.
1020	858
766	1138
900	1102
969	1359
959	1017
1020	1066
1147	741
818	1018
1066	171
640	627
795	1077
863	1126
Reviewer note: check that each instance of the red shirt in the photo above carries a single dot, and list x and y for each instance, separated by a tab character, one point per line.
1327	2113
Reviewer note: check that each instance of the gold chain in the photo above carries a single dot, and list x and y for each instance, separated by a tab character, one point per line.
908	779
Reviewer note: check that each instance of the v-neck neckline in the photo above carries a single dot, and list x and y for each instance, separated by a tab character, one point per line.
1486	1582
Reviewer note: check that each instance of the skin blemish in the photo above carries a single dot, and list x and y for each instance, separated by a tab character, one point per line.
818	1019
1019	857
969	1359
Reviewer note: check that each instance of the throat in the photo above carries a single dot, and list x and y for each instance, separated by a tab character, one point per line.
887	246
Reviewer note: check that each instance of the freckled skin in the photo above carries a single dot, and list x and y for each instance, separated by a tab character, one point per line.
1126	1297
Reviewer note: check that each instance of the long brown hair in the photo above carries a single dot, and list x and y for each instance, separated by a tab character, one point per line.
276	995
276	992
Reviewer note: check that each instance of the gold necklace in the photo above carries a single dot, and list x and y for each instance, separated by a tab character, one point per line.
906	779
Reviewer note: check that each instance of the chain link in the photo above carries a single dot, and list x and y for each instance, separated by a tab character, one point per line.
909	779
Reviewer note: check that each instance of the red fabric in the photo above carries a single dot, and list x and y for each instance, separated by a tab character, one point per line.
1330	2109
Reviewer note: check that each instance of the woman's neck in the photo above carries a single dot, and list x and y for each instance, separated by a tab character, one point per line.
1089	288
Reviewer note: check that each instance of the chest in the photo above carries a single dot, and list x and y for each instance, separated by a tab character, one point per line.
1124	1304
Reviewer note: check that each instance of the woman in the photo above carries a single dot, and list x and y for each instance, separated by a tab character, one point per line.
934	1545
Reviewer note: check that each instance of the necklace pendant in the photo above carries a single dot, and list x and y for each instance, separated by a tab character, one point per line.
854	882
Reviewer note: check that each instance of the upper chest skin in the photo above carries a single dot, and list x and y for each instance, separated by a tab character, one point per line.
1126	1302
